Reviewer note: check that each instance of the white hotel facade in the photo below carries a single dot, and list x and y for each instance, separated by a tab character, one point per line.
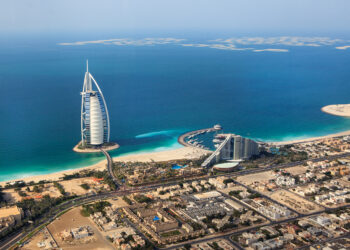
95	127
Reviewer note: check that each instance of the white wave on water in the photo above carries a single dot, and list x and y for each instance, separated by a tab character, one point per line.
157	133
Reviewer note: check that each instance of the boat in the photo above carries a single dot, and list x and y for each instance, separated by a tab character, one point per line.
217	127
217	141
220	136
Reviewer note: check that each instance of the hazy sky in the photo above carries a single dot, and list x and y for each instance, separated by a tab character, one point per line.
172	15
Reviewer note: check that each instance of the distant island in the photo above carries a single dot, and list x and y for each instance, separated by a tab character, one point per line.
337	109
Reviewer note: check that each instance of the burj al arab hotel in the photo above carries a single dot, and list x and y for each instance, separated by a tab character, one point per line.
95	127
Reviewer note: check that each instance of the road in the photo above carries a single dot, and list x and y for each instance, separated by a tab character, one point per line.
110	167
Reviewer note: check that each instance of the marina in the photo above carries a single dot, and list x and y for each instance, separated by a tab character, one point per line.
190	139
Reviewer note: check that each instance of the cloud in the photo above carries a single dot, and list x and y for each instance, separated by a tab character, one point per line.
270	50
343	47
127	41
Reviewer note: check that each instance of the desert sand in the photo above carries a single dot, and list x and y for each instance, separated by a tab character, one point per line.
175	154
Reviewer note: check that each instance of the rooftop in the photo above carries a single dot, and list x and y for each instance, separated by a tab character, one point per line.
7	211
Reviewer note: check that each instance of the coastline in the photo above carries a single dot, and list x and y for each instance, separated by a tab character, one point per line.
172	154
311	139
188	152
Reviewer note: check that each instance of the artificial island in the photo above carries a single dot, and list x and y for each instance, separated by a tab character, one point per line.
95	124
337	109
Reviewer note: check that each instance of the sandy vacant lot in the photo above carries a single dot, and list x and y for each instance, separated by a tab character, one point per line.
73	186
295	202
235	188
117	202
259	177
296	170
11	195
41	236
70	186
73	219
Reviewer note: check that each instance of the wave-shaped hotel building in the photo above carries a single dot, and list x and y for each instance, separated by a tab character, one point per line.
95	126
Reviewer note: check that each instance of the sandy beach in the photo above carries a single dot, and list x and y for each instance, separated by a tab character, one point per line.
337	109
175	154
311	139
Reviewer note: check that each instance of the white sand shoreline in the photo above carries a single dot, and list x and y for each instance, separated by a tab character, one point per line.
311	139
172	154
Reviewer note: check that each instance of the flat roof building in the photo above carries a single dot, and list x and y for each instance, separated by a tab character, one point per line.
16	212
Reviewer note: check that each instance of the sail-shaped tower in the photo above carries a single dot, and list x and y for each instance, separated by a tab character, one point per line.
95	127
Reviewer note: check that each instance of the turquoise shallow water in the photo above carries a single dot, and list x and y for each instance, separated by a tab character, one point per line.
155	93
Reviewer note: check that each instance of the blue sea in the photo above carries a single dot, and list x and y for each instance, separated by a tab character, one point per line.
158	89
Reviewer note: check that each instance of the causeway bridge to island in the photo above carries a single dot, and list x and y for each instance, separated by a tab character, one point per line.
110	166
